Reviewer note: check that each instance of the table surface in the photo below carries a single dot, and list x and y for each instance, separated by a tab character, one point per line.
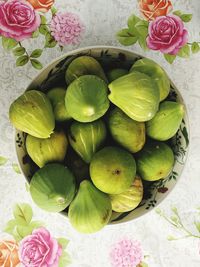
102	19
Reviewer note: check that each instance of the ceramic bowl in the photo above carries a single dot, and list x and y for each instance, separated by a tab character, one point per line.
118	57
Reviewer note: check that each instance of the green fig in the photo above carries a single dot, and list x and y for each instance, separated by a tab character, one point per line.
53	187
116	73
112	170
57	98
129	199
156	72
43	151
32	113
87	138
136	94
166	122
84	65
86	98
128	133
155	161
91	209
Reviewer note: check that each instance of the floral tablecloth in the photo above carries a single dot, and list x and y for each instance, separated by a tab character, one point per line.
167	236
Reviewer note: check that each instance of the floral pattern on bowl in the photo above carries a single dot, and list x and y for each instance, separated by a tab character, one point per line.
154	193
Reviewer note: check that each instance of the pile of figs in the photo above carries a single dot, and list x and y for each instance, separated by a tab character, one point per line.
97	139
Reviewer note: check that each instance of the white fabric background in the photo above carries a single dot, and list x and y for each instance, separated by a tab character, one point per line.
102	19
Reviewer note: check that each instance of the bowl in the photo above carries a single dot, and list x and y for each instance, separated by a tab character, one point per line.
51	75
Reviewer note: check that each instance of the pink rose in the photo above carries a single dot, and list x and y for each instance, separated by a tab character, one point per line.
167	34
18	19
40	250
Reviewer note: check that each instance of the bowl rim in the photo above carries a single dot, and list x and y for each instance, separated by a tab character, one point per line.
121	49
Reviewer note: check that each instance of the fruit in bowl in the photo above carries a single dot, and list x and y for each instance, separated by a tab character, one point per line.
101	136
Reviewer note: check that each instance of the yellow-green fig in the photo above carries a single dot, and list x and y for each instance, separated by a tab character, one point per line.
87	138
32	113
129	199
57	98
53	187
156	72
166	122
43	151
84	65
90	210
86	98
127	132
136	95
116	73
155	161
112	170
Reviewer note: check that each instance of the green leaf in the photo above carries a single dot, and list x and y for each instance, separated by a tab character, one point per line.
126	38
24	230
23	213
36	53
175	211
43	29
175	219
186	17
21	61
132	20
184	51
170	238
19	51
8	43
36	224
142	28
143	264
64	259
53	10
43	19
169	58
50	41
35	34
16	235
177	13
197	224
36	64
15	166
10	226
142	42
3	160
63	242
195	47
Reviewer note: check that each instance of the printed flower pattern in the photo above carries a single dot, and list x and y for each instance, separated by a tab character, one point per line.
18	19
159	30
41	5
151	9
9	253
126	253
40	249
167	34
23	19
66	28
35	246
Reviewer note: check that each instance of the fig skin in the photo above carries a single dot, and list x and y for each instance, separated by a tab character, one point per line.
129	199
155	161
90	210
43	151
112	170
87	138
32	113
166	122
128	133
